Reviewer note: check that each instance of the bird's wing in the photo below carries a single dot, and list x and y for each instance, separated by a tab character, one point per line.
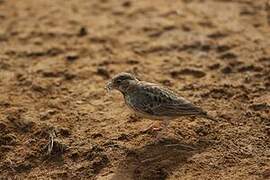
159	101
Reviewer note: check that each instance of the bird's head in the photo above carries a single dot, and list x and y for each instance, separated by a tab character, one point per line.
121	82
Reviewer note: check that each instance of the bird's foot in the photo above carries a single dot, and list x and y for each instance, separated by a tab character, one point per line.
153	128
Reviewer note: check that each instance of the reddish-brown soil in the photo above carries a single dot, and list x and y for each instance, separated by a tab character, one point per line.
57	55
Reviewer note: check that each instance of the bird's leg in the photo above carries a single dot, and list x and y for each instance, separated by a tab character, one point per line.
153	127
164	126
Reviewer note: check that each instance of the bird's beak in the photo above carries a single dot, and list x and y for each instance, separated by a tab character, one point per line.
109	86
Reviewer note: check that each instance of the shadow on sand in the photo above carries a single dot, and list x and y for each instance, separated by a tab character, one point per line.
156	161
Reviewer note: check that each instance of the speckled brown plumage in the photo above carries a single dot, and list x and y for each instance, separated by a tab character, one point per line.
151	100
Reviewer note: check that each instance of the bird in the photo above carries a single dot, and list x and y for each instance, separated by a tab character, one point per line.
153	101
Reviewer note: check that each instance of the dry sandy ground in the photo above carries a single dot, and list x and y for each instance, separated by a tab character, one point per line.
56	56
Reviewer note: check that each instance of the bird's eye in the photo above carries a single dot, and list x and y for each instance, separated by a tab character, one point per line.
118	81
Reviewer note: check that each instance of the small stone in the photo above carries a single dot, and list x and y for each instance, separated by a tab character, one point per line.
126	4
103	72
226	70
69	76
96	135
132	61
214	66
82	32
72	57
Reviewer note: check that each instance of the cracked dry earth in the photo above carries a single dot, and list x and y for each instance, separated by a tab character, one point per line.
57	121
